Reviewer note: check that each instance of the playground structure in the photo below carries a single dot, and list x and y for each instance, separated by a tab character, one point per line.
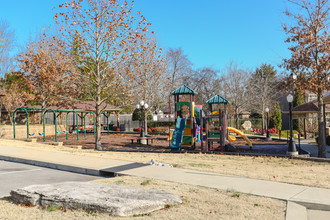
192	125
187	119
216	125
59	115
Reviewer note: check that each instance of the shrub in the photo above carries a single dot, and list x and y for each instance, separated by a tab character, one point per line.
286	133
276	119
138	117
159	124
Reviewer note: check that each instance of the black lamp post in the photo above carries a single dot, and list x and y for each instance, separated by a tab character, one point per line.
268	138
142	106
292	150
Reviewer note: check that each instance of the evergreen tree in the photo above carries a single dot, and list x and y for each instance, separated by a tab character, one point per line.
263	85
276	119
298	100
137	116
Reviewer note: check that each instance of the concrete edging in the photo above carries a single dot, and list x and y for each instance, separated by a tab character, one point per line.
73	169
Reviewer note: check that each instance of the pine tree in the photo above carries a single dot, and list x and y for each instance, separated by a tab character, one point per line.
298	100
276	119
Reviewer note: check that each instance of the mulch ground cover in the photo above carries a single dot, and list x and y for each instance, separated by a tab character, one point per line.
122	142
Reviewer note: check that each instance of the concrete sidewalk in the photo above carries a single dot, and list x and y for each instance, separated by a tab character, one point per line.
309	197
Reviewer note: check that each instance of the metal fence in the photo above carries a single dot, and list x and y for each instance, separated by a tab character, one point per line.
256	122
126	122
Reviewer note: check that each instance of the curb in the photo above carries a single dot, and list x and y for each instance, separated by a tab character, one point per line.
314	159
73	169
312	205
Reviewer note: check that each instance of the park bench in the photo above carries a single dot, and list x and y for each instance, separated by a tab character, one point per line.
138	139
105	126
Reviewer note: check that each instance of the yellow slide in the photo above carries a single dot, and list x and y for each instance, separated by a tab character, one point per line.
170	137
232	138
240	134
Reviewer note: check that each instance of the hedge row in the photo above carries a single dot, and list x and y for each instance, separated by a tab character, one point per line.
159	124
256	123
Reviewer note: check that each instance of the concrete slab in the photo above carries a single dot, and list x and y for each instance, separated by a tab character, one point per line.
313	198
318	215
116	200
295	212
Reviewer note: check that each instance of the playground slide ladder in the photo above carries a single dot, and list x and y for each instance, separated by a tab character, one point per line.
187	140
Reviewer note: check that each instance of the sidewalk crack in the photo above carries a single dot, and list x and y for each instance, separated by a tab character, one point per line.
297	194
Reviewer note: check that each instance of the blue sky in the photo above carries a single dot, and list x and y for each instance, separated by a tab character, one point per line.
211	32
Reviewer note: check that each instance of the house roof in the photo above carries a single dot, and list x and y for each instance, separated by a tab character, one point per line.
83	105
183	90
217	99
309	107
90	106
326	99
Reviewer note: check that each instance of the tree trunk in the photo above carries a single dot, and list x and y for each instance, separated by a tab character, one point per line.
11	117
145	122
321	138
98	145
263	124
236	115
1	113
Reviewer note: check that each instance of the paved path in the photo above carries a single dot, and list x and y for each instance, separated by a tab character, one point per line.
305	144
310	197
17	175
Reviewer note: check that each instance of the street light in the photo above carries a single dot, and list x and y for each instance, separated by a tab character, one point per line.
292	151
268	138
142	106
294	76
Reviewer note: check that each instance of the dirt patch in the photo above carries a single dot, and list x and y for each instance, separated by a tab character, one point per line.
198	203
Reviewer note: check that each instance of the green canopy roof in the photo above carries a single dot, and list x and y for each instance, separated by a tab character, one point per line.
217	99
183	90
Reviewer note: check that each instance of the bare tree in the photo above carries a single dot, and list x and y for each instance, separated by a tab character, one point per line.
7	43
263	86
150	81
309	41
205	81
237	88
106	31
179	65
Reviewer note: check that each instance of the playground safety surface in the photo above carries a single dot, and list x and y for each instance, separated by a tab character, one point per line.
122	142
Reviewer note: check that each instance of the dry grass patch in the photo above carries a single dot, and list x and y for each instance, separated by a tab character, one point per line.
286	170
198	203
